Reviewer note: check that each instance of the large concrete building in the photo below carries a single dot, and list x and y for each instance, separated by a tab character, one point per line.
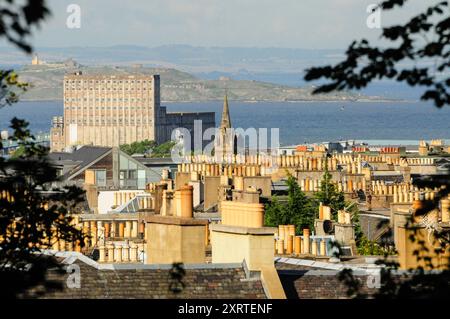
111	110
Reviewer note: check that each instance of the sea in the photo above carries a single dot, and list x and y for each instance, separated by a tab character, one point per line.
298	122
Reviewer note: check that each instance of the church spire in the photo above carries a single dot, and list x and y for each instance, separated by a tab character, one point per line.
226	122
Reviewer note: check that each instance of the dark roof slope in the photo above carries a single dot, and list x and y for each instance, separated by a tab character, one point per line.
83	156
306	282
309	279
204	281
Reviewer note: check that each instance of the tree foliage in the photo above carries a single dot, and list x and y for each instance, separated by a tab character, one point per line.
10	86
368	247
33	213
141	147
17	21
162	150
148	148
329	195
275	213
18	18
425	37
298	210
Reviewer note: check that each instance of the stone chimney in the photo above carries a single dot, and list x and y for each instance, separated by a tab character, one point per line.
176	236
344	231
242	237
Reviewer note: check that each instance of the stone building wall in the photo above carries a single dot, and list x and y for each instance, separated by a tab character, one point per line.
108	110
173	120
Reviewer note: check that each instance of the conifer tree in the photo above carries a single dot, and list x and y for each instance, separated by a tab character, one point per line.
329	194
299	209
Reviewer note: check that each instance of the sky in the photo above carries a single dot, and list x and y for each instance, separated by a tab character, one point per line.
314	24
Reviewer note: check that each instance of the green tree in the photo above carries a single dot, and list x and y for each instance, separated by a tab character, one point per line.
329	195
162	150
368	247
149	148
275	213
298	210
141	147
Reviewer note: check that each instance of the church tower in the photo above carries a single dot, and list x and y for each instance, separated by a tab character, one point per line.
226	121
224	142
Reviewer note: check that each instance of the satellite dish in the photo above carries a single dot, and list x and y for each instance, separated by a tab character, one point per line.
328	226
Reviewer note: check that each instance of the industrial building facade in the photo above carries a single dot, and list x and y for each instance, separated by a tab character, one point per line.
111	110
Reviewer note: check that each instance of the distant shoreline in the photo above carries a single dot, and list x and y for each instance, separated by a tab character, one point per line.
262	101
301	122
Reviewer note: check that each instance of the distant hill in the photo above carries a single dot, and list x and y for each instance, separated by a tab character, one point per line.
176	86
187	58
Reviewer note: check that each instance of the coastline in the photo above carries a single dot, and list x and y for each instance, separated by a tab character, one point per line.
260	101
339	120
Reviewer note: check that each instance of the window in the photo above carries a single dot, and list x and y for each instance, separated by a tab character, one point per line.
100	177
141	179
130	176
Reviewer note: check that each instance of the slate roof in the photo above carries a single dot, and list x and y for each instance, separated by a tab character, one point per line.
83	154
310	279
314	280
125	281
155	161
81	157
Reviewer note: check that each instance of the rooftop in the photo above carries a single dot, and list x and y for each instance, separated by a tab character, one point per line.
80	158
124	281
109	77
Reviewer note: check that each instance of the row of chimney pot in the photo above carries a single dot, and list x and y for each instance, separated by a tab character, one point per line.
380	188
262	160
242	214
259	159
178	203
351	158
290	244
96	230
421	161
403	193
112	229
313	185
219	169
307	163
409	197
435	142
120	253
209	166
